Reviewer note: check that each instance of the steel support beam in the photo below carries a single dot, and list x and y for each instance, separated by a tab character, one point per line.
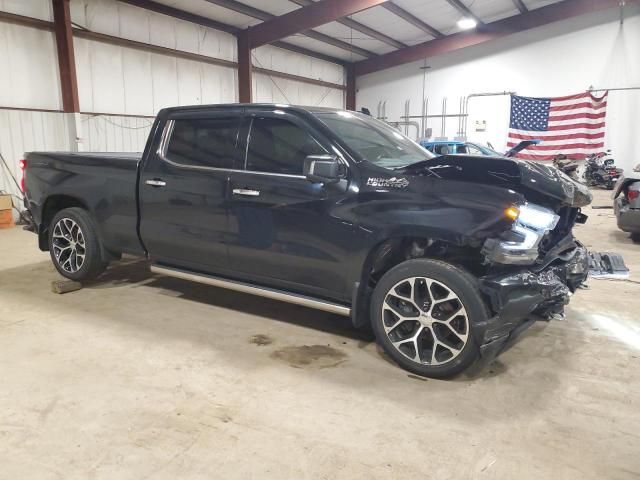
520	6
491	31
66	58
245	84
412	19
464	10
359	27
182	15
253	12
305	18
214	24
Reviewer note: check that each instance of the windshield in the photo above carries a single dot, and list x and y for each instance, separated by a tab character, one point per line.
487	150
374	140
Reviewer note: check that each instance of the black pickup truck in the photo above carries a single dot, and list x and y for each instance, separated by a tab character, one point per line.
448	258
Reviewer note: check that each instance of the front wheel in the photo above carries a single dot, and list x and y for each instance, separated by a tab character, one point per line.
424	314
75	246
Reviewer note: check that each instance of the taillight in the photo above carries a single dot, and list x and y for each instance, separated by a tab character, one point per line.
632	194
23	173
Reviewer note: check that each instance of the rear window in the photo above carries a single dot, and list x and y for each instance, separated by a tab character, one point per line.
205	142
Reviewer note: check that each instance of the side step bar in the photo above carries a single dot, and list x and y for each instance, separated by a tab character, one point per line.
254	290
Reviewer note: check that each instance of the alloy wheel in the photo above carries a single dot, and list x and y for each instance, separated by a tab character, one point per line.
425	321
68	244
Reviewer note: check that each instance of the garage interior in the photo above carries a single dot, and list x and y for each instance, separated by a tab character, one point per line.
138	375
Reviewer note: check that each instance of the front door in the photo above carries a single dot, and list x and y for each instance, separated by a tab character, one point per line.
281	229
183	190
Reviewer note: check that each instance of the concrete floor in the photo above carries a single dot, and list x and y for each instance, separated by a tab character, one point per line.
147	377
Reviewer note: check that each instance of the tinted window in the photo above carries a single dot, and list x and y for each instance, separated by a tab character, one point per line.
205	142
279	146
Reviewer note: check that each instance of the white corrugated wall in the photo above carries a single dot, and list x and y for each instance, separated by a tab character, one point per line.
130	85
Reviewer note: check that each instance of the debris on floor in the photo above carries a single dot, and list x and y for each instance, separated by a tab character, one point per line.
607	265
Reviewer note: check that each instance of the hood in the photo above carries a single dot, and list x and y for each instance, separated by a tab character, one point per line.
509	173
521	146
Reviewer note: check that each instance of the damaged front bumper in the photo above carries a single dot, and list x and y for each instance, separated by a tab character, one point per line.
518	296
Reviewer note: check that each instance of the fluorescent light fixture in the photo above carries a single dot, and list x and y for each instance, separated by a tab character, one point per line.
467	23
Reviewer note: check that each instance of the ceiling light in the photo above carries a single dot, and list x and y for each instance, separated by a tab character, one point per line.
467	23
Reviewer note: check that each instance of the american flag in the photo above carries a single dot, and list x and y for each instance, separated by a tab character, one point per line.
571	125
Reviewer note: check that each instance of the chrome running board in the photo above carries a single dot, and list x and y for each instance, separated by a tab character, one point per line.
254	290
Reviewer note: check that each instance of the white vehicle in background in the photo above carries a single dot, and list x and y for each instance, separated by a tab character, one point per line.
626	203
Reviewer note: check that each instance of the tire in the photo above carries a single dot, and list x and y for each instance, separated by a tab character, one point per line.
72	234
454	321
635	237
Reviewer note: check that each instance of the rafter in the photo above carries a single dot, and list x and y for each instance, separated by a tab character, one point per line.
464	10
359	27
258	14
412	19
521	6
216	25
491	31
313	15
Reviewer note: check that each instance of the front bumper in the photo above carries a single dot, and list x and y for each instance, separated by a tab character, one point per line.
628	218
519	296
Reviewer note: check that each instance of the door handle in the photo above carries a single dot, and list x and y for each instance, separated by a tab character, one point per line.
246	192
156	182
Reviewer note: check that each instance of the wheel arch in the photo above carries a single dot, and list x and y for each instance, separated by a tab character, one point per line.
392	249
52	205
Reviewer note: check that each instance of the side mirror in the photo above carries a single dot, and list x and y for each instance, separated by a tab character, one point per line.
323	169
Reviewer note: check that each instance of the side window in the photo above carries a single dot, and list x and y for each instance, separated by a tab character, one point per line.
442	149
205	142
473	150
279	146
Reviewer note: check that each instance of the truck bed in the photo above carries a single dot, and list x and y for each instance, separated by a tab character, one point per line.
106	180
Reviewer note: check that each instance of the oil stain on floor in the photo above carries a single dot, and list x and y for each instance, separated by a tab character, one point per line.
310	356
261	340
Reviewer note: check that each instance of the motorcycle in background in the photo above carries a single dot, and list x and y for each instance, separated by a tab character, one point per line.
566	165
601	171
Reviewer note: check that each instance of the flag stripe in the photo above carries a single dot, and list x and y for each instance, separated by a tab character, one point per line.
551	156
574	116
552	137
566	146
571	126
571	106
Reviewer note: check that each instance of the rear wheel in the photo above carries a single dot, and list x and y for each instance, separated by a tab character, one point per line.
75	246
424	314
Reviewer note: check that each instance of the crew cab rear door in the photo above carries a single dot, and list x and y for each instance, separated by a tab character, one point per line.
184	186
282	232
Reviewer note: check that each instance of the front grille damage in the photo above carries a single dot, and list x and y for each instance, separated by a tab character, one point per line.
519	296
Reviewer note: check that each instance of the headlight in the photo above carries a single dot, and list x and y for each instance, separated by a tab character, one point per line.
537	218
529	227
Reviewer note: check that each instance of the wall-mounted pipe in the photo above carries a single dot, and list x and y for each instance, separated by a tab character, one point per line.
406	125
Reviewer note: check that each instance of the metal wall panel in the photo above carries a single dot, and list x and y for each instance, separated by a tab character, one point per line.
29	8
28	68
27	131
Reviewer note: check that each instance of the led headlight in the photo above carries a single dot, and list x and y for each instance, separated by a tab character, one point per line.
537	218
529	227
